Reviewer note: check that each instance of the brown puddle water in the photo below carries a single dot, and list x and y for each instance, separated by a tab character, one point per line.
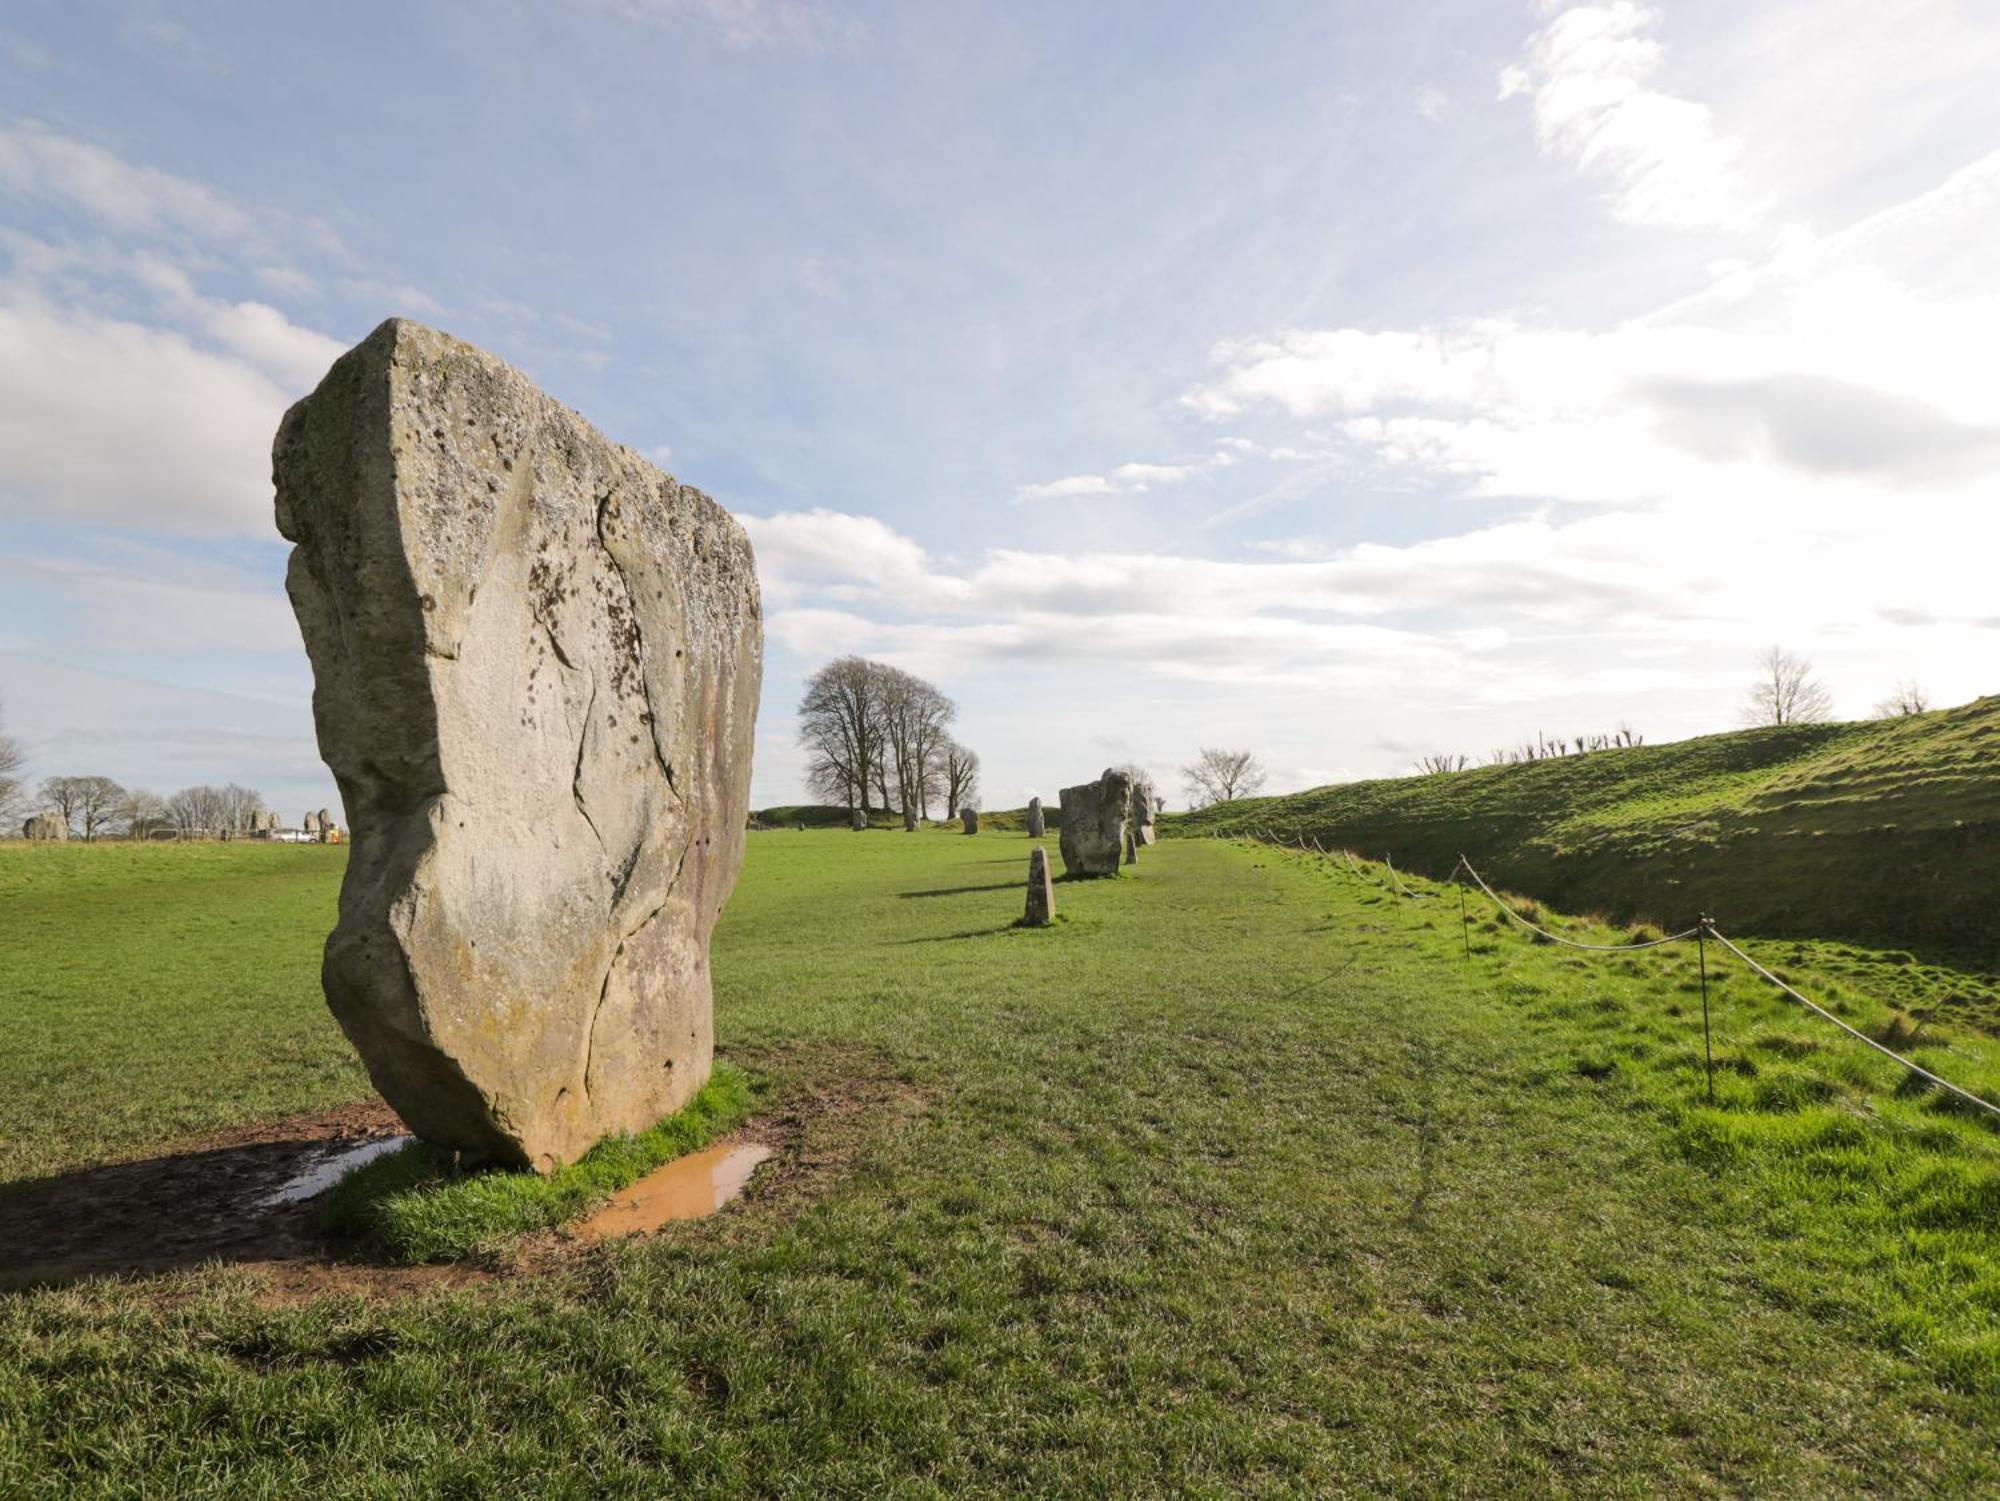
685	1189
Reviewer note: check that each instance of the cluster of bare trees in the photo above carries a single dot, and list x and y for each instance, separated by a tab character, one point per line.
1543	747
98	808
1222	776
878	737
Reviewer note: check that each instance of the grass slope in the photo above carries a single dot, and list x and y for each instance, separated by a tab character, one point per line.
1244	1180
1885	832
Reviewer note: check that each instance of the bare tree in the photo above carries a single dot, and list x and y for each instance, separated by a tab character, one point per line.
1222	776
141	813
13	787
1906	699
840	726
89	805
916	717
1786	692
958	768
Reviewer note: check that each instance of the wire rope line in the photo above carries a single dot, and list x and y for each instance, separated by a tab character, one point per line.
1702	931
1595	948
1860	1036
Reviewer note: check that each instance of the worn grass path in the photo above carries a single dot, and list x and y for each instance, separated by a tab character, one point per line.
1243	1180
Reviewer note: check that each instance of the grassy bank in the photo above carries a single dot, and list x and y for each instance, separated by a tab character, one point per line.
1244	1180
1886	833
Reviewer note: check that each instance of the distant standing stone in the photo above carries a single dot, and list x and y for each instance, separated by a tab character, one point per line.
1093	824
536	662
326	827
858	820
970	818
311	824
1037	823
909	820
1131	844
1145	803
1041	890
46	826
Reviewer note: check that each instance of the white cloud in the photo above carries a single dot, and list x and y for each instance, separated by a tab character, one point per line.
112	421
39	163
1431	103
1661	157
1838	366
1128	479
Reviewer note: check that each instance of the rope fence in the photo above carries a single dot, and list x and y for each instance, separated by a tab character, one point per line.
1701	934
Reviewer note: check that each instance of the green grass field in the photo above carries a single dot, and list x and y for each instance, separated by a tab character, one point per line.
1244	1179
1885	832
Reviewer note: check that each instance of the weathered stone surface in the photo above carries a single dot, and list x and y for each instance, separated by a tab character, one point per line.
536	663
45	826
1093	824
969	819
326	824
1131	844
909	820
1145	804
1041	890
263	821
857	820
311	823
1037	823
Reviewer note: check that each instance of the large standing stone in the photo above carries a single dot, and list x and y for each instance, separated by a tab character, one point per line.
1037	823
263	822
311	824
969	819
1131	844
1092	836
1041	891
46	826
858	820
326	824
536	663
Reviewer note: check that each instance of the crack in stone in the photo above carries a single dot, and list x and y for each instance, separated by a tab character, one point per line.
638	649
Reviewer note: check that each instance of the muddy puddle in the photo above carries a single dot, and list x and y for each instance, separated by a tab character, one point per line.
332	1165
685	1189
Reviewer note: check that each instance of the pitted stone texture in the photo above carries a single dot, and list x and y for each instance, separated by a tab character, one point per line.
1093	824
1037	823
1041	891
45	826
536	663
969	819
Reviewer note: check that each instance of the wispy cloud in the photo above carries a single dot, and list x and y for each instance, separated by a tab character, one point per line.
1587	75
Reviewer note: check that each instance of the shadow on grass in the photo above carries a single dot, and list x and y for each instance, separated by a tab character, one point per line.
1005	927
162	1214
909	896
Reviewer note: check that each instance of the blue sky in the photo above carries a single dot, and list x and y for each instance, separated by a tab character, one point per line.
1345	381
